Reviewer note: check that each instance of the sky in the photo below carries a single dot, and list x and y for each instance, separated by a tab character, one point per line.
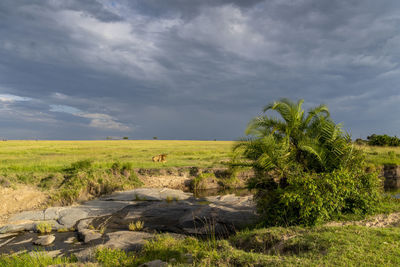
198	69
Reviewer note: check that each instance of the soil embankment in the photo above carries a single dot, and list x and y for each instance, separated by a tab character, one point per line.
20	198
185	178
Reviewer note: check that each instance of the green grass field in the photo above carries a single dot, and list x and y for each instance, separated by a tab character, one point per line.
276	246
53	156
320	246
382	155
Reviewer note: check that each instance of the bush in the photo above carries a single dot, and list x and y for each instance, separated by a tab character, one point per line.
311	198
114	257
81	181
307	169
383	140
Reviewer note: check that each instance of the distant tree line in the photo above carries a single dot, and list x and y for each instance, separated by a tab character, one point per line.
380	140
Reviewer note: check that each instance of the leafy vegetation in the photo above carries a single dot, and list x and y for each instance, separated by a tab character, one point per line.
114	257
307	169
38	258
274	246
44	227
81	181
136	226
383	140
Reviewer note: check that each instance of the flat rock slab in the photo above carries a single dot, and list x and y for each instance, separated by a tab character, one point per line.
127	240
17	227
166	210
187	217
44	240
150	194
62	217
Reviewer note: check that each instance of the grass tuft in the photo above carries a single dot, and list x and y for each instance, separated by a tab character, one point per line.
136	226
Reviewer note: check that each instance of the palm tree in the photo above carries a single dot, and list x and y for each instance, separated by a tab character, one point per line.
312	140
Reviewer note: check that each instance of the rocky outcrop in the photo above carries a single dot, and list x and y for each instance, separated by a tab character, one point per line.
44	240
190	217
127	240
160	209
391	174
105	221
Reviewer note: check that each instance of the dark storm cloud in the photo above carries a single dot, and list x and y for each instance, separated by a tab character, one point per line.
182	8
193	69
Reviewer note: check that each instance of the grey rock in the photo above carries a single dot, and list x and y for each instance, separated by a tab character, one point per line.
12	228
69	217
221	217
87	235
52	213
104	207
44	240
85	255
127	240
155	263
155	194
71	240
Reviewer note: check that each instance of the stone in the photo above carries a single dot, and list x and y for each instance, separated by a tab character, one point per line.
17	227
154	194
104	207
127	240
391	174
222	216
69	217
155	263
44	240
52	213
71	240
88	235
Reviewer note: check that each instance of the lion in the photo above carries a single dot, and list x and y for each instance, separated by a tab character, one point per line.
160	158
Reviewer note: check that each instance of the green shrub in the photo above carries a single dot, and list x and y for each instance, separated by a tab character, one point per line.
114	257
82	182
81	165
307	169
35	258
44	227
311	198
199	182
383	140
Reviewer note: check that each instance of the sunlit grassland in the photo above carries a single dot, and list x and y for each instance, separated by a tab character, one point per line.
53	156
382	155
275	246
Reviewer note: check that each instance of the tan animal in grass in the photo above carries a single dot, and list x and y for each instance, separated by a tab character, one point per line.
160	158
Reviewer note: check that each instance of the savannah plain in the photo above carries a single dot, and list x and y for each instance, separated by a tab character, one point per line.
32	174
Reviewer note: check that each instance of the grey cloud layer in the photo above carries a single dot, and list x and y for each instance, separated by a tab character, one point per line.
193	71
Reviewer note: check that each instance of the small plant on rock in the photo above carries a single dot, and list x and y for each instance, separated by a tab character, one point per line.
44	227
102	229
136	226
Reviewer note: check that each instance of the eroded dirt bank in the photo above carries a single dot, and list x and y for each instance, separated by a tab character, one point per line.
20	198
